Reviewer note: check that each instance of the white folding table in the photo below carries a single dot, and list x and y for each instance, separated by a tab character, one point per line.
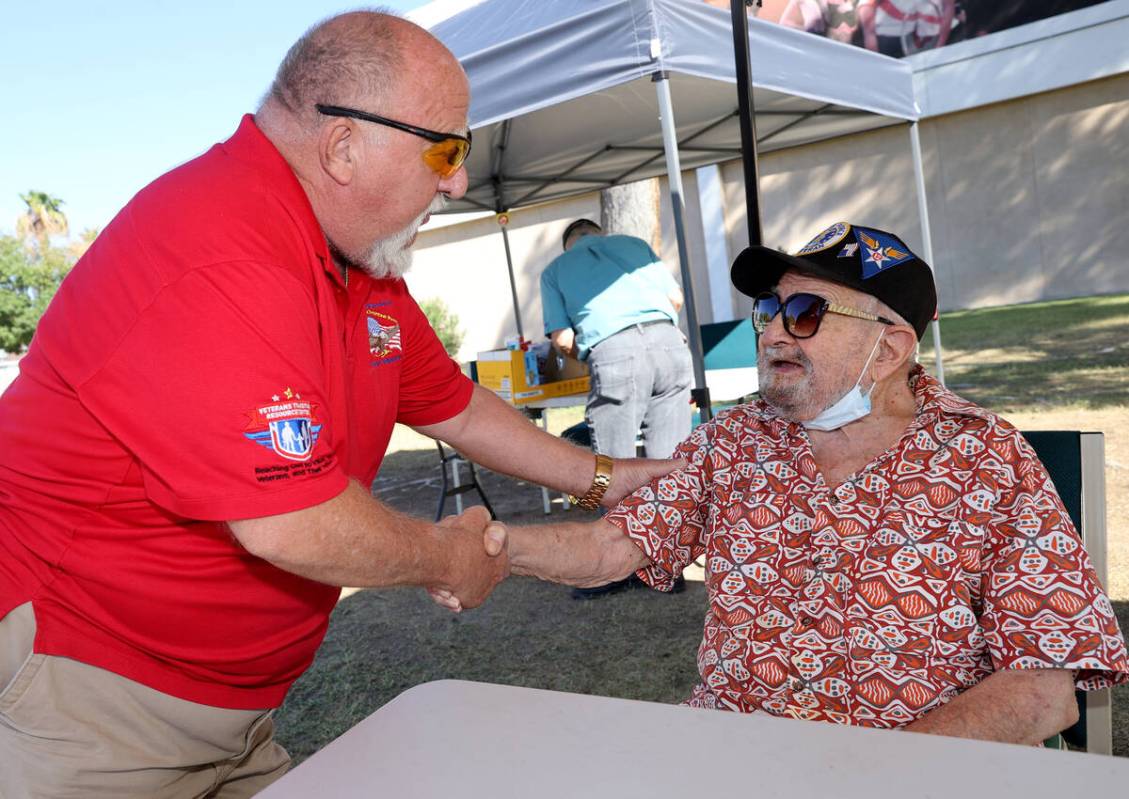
462	739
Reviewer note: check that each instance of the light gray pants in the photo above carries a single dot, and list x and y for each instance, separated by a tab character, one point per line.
640	381
68	729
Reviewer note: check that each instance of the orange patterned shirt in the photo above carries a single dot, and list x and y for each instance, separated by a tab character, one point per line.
948	557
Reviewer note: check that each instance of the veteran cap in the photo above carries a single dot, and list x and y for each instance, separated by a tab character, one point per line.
866	259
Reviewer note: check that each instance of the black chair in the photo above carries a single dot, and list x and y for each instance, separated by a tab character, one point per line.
579	434
1075	462
455	487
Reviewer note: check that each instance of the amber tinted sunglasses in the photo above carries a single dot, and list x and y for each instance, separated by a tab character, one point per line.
445	156
802	313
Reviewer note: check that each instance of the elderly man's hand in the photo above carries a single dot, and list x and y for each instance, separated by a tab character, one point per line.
631	473
479	560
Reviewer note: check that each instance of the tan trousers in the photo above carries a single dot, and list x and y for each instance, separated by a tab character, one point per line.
72	730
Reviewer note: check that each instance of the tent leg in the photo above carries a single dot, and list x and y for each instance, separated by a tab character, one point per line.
513	282
674	181
926	237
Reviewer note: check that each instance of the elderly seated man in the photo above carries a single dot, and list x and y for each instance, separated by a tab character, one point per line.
878	550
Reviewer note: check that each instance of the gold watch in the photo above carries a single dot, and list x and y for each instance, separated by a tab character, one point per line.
600	483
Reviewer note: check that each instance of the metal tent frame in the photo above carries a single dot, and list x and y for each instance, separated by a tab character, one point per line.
558	97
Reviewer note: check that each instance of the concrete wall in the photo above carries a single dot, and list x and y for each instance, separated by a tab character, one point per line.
1029	200
465	264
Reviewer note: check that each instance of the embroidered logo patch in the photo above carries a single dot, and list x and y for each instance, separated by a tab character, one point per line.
828	238
880	252
383	334
288	426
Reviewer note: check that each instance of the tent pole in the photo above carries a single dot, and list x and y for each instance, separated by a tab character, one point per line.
745	113
926	237
496	158
513	282
701	392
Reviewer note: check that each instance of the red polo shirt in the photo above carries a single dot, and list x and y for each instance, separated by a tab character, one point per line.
203	362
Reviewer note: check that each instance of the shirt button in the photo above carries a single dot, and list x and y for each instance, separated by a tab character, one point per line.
807	621
797	684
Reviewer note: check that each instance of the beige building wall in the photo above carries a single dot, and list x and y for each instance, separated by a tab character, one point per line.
1029	199
465	265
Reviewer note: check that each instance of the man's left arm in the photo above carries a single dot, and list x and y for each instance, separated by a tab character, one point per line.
660	276
582	554
558	324
948	10
1032	550
495	435
676	299
1021	706
564	340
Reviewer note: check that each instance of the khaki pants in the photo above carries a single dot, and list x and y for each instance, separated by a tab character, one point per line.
72	730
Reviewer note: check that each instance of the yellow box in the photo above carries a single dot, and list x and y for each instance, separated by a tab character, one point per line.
504	373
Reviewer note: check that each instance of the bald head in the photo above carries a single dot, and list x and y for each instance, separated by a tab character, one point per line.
368	181
353	58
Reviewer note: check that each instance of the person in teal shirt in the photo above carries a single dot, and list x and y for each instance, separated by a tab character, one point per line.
610	301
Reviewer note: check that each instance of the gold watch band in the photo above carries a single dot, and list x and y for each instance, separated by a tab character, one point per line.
600	483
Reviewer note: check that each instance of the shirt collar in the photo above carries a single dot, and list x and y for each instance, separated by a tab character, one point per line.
933	400
251	146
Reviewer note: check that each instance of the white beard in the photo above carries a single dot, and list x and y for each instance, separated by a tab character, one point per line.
391	257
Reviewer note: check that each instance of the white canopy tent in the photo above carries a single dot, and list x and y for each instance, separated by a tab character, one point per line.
572	96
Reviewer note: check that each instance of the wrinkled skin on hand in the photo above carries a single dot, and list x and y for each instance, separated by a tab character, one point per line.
627	476
478	559
631	473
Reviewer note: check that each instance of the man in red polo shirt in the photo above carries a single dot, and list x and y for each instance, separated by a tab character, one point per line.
188	448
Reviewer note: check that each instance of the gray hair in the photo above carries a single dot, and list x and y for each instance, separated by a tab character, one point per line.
344	59
879	308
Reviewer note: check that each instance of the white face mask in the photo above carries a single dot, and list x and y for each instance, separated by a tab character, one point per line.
850	407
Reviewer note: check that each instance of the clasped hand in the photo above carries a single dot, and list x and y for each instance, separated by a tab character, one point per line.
478	559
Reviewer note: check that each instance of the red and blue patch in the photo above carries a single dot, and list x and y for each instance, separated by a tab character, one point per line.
880	251
288	426
384	341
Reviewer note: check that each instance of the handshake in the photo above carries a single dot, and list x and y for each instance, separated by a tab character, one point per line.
478	549
480	552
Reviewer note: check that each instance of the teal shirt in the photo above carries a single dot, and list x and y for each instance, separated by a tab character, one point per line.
602	285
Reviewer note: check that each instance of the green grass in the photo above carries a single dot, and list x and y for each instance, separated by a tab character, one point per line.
1025	357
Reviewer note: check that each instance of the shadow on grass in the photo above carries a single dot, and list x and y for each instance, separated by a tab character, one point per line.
1022	357
1121	694
1094	383
635	645
1018	325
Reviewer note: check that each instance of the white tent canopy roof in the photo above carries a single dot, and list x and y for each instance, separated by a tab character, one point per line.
565	87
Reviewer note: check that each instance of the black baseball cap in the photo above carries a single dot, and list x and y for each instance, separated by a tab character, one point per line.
574	226
872	261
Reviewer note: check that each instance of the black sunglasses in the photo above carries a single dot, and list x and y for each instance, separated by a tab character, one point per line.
444	157
802	313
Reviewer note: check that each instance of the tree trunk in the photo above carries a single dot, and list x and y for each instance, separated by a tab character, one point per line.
633	209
